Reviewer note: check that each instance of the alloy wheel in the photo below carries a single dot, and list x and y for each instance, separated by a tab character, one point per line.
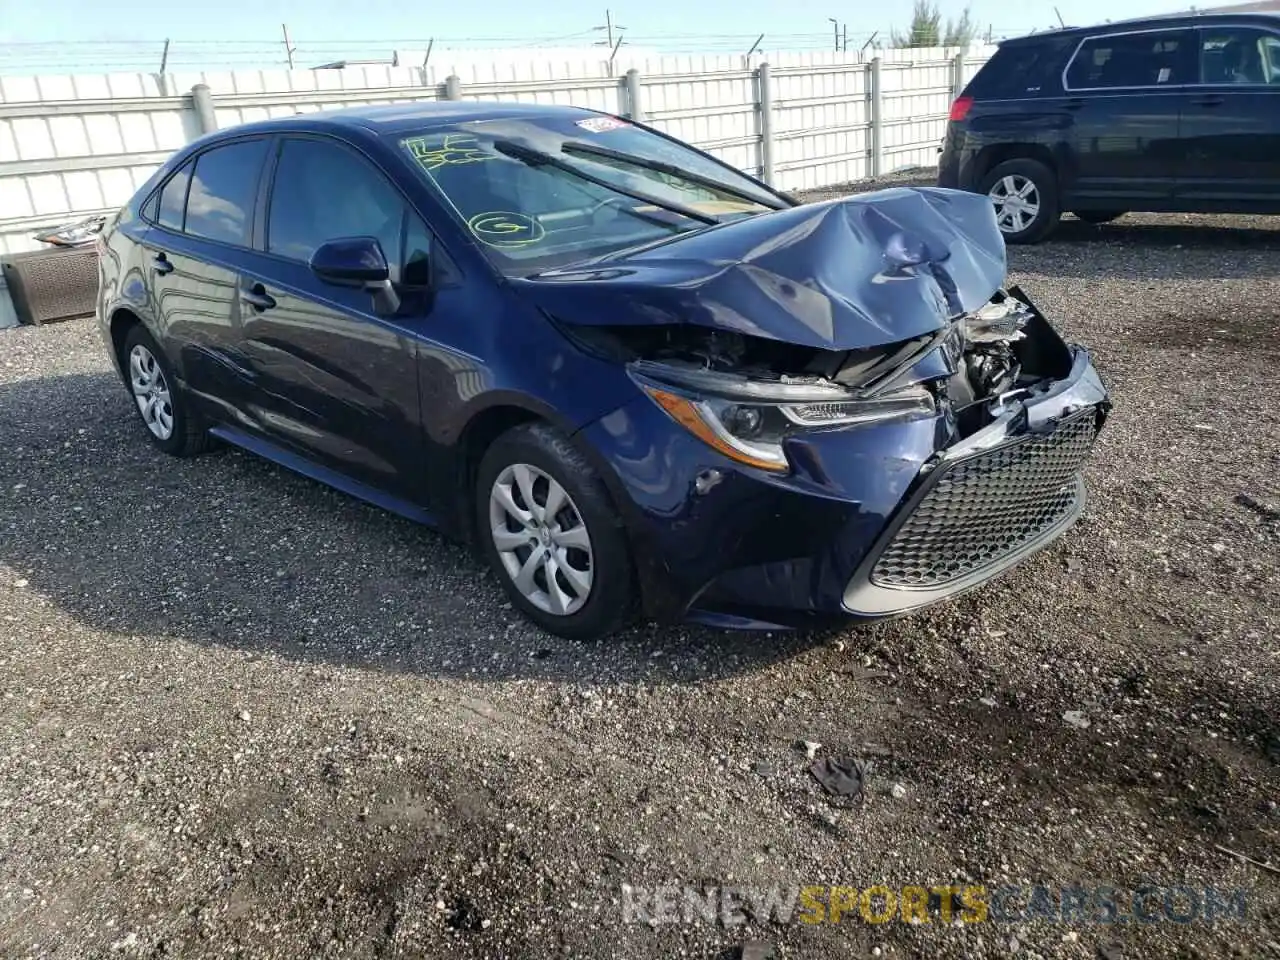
1017	202
541	539
151	391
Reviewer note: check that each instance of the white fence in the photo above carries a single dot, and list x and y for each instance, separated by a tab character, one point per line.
72	146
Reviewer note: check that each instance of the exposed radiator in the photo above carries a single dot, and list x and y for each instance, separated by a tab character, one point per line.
51	285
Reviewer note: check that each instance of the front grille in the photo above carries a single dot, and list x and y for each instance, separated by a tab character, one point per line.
987	506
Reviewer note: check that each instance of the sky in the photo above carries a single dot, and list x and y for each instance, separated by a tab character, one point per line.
37	36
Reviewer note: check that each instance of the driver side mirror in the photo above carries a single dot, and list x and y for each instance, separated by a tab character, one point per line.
359	263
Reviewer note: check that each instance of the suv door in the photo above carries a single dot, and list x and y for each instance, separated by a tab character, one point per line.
335	381
1231	126
1124	94
202	223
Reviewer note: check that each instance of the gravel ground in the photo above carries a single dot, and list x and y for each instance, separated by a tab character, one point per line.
243	715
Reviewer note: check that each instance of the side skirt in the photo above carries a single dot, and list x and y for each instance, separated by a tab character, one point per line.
330	478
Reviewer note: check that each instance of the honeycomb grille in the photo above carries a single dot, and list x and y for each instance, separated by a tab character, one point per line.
987	506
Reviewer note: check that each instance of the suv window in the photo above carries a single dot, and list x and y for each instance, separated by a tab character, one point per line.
1239	55
223	188
324	191
1017	69
1150	59
173	199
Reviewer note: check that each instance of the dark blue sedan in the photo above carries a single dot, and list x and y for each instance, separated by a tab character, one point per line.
637	380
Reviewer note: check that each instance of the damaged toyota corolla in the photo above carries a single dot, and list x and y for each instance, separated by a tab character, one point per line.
638	380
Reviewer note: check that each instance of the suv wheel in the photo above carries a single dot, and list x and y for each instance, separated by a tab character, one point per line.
164	409
1025	194
552	536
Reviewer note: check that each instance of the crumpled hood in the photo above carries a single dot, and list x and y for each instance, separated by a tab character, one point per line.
845	274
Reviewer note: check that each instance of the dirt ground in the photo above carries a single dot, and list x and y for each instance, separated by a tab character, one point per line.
245	716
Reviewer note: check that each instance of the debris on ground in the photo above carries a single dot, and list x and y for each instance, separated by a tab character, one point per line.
1077	719
841	776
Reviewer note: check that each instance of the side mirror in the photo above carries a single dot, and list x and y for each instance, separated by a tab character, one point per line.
360	263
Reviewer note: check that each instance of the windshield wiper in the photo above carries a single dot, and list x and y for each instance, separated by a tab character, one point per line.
659	166
536	158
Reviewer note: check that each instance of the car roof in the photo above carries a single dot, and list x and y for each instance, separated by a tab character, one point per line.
392	119
1161	21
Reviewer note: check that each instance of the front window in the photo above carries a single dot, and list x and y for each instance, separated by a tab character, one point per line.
544	192
1239	55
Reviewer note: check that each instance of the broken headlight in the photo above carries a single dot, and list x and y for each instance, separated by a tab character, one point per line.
747	419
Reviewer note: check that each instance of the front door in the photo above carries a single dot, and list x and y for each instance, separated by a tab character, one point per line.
1231	126
1123	99
334	380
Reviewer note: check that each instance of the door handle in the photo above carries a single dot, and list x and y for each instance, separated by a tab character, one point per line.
1209	100
258	298
161	265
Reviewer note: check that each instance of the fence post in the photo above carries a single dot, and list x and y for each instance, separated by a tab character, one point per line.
452	87
957	76
202	100
764	104
877	119
635	108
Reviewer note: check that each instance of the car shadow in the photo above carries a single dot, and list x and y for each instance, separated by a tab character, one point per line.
1145	246
229	549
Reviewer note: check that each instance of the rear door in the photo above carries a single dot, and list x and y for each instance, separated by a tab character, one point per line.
335	381
1123	96
1231	127
203	225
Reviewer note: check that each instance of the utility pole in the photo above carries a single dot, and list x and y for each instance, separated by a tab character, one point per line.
609	27
288	50
835	25
164	57
844	42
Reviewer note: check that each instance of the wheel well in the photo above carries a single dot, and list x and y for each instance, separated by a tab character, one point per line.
479	434
122	321
992	156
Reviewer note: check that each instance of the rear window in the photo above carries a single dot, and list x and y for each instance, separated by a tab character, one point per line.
1018	69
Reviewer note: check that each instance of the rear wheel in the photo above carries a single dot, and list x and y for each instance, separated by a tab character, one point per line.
551	534
162	406
1098	216
1025	195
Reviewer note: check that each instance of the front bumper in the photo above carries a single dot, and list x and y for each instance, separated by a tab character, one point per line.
872	522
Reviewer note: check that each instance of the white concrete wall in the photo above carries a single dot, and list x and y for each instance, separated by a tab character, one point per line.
71	146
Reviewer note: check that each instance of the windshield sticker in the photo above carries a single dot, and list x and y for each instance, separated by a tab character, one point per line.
601	124
449	150
506	229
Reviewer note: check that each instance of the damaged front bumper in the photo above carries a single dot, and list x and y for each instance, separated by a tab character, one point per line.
871	522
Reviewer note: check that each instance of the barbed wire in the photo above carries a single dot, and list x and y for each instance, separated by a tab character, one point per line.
146	55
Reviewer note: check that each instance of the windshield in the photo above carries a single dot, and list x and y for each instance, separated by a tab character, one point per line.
535	196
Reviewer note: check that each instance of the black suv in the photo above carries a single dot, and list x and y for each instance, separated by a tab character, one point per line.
1176	113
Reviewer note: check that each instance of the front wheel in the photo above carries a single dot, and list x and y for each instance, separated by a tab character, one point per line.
1025	195
552	535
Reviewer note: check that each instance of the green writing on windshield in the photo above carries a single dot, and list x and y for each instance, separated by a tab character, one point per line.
447	150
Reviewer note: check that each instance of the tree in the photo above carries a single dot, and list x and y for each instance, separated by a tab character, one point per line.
927	30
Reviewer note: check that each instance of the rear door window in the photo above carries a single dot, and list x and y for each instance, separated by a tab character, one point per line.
1157	58
224	186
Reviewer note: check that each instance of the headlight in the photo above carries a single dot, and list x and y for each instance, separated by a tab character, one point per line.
747	420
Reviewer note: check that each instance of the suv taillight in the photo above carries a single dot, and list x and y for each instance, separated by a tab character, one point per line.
960	109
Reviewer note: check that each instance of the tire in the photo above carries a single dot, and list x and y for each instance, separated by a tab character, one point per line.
541	455
1098	216
1011	177
186	433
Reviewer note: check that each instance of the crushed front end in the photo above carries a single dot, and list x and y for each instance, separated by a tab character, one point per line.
818	485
